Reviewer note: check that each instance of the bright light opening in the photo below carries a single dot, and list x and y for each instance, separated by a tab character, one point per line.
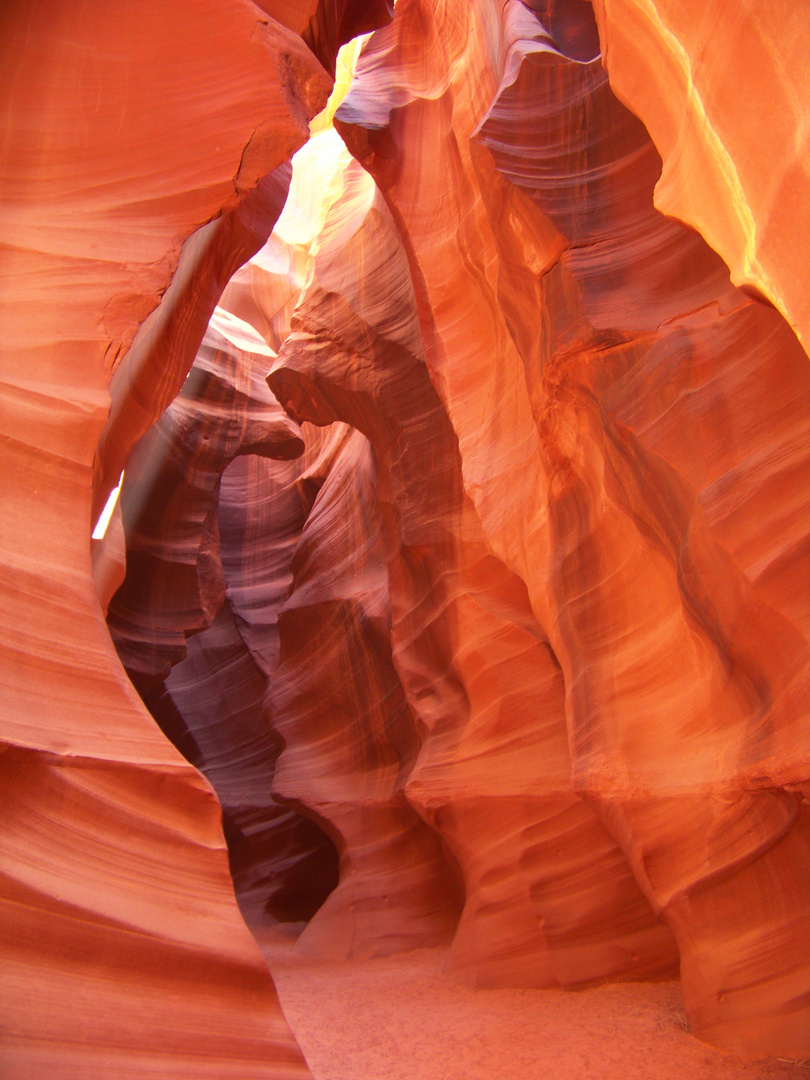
106	513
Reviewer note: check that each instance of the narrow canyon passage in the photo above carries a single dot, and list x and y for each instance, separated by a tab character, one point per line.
435	699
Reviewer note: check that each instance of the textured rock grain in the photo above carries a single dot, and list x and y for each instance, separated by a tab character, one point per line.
523	628
744	185
540	294
124	952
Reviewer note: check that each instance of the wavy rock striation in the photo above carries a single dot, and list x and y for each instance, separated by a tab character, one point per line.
546	282
174	582
179	568
283	867
492	776
124	952
337	704
519	620
744	186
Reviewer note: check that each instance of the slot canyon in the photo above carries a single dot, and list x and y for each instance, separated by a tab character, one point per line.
405	536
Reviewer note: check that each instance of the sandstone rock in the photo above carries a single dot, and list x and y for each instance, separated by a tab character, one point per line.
529	614
492	776
174	582
742	184
154	369
348	735
532	311
123	948
325	25
283	867
175	587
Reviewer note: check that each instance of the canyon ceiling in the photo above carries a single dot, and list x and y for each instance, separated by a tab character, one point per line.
463	546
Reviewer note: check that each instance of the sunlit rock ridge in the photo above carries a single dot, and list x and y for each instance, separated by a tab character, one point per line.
457	590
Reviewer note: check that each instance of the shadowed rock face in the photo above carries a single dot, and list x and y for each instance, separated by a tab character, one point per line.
185	579
170	496
498	636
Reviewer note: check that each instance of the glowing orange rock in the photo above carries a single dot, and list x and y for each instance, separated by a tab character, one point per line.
487	764
556	574
125	129
551	296
741	180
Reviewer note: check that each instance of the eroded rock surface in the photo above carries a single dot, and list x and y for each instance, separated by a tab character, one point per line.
524	198
519	622
744	186
124	952
488	767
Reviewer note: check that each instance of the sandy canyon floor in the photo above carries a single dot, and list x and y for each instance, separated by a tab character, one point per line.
402	1018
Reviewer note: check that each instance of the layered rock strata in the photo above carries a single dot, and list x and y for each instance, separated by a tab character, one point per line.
744	186
532	628
523	193
176	587
487	766
325	25
170	496
283	866
348	736
124	952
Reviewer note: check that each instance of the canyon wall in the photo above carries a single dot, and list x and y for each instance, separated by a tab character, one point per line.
485	617
125	128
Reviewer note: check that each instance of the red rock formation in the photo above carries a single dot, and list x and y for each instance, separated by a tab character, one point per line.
175	586
153	371
606	525
174	582
536	620
283	866
325	25
349	741
123	948
685	70
491	778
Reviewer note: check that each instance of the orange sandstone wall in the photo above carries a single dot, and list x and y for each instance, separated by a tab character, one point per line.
126	127
524	631
596	364
739	176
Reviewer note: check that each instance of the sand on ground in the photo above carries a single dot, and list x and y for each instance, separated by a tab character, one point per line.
403	1018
